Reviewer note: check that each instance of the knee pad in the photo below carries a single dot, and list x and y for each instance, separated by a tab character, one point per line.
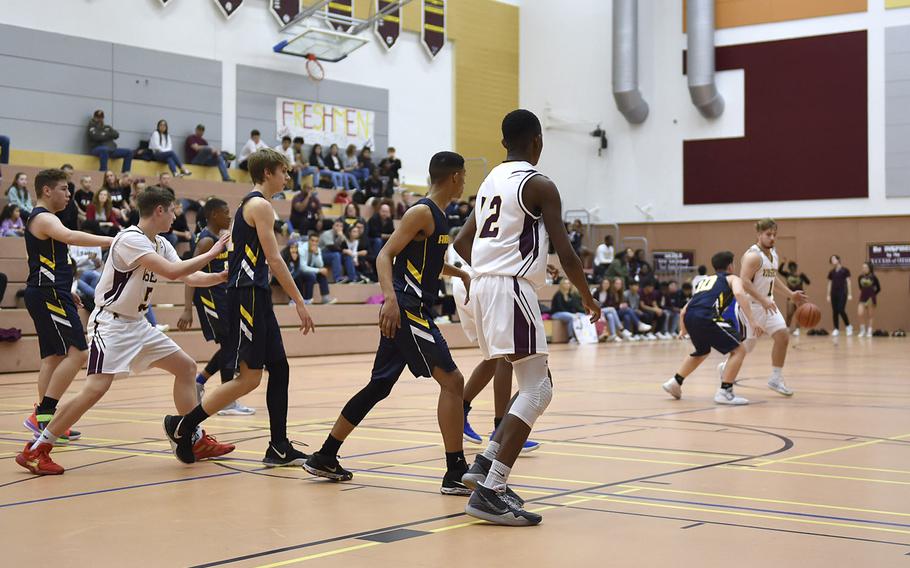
535	389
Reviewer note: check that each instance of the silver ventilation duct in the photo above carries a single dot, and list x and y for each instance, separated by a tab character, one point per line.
625	62
700	58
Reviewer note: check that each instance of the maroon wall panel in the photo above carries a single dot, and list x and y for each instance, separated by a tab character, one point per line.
806	125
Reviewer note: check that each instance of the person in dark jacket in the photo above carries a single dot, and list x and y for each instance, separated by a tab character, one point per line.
380	228
101	137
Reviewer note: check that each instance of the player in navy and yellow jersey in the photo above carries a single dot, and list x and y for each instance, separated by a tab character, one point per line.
211	303
253	340
703	320
410	338
53	308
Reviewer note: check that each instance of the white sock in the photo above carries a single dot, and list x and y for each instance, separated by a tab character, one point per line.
46	437
776	372
498	476
491	450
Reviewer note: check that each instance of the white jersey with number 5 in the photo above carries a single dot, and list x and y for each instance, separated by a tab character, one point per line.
510	240
765	276
126	287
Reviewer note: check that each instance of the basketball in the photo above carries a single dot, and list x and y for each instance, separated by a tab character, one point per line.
808	315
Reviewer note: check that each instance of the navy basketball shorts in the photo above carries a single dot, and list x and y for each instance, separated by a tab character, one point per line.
253	333
211	307
707	334
418	345
56	320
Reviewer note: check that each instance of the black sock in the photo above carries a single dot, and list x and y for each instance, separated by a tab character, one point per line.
679	378
455	460
47	405
726	386
497	422
191	420
330	447
467	407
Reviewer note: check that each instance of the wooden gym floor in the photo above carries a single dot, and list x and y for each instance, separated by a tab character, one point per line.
626	476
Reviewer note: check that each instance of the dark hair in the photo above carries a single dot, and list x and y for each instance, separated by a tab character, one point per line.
687	286
722	260
65	166
519	127
211	206
47	178
312	234
288	138
702	269
444	164
265	160
356	209
608	240
151	198
254	132
792	265
298	139
390	149
166	134
7	212
866	262
837	256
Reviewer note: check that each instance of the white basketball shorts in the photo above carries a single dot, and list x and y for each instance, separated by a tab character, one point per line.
508	316
119	345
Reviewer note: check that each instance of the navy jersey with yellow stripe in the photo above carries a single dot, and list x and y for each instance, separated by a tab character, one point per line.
246	264
710	298
417	269
48	260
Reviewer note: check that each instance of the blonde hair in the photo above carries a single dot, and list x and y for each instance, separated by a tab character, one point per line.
265	160
763	225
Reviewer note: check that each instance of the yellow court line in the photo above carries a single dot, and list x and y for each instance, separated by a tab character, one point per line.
857	467
832	450
631	490
617	458
766	500
320	555
820	475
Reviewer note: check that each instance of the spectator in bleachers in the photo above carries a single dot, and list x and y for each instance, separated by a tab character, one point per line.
389	167
70	214
565	305
352	165
83	196
639	268
577	237
645	275
286	148
686	292
102	136
306	213
87	261
672	303
180	230
351	216
3	282
619	268
302	165
380	228
617	300
11	224
633	299
199	153
161	146
702	274
118	196
317	160
332	243
18	194
357	248
372	187
365	159
335	165
650	304
609	313
4	149
103	213
252	145
305	261
603	257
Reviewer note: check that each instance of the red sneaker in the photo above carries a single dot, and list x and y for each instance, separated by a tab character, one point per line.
208	447
36	427
38	461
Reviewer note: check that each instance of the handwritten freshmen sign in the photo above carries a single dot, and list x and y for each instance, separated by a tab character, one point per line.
321	123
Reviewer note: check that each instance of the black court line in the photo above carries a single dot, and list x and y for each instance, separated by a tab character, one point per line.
34	477
692	526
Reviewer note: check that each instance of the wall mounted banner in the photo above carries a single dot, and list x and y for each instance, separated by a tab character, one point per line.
433	29
344	8
673	260
284	10
388	28
325	124
228	7
889	255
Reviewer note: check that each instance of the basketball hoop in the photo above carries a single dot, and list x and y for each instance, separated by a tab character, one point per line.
314	68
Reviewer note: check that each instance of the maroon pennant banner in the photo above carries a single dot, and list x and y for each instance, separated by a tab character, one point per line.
284	10
433	29
228	7
388	28
341	8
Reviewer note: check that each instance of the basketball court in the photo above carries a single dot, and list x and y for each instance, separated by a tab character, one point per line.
625	475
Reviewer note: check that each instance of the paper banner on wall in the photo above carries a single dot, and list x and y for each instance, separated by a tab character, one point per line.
228	7
897	3
433	29
284	10
340	13
326	124
388	27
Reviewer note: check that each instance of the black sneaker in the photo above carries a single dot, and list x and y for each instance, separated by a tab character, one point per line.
452	484
478	472
181	444
284	456
324	466
489	505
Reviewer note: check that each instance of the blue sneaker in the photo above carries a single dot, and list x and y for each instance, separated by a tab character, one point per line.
469	434
528	447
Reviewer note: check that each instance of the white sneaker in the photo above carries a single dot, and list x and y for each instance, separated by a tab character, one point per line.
162	327
651	337
835	333
635	338
796	332
616	339
236	409
862	331
779	386
673	388
626	333
726	396
665	335
643	327
849	330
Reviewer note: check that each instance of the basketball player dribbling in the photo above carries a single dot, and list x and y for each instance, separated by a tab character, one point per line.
505	240
759	274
